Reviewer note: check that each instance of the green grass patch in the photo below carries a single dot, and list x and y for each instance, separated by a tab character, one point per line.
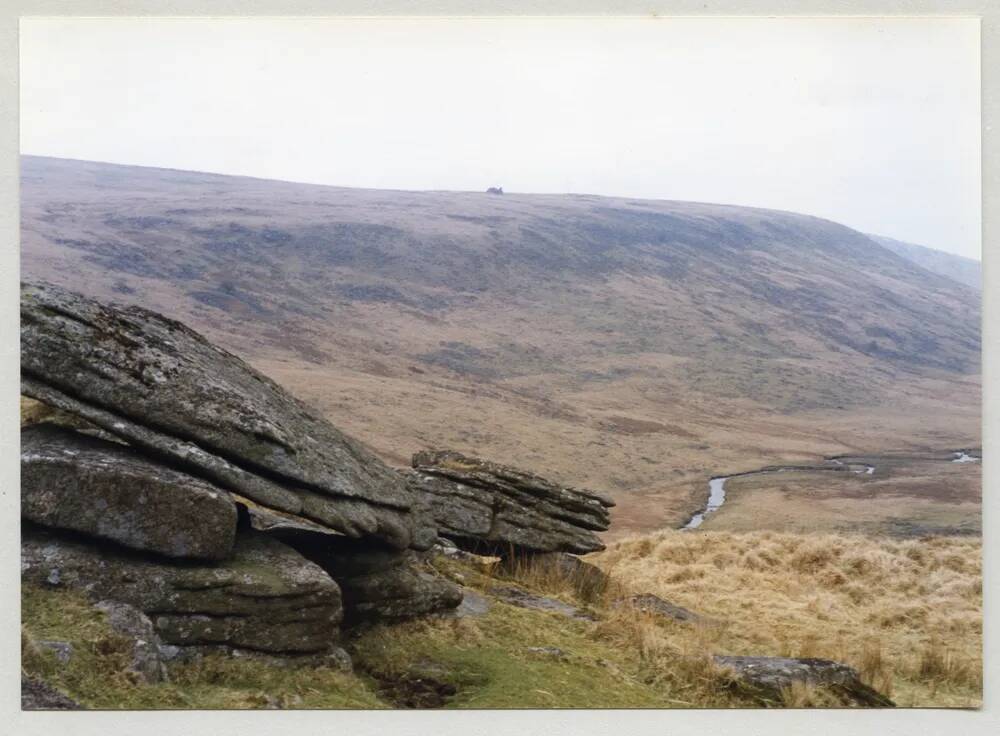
490	663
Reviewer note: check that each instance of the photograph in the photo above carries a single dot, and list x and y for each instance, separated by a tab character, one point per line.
500	363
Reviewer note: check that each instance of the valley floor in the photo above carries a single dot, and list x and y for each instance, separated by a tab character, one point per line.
653	449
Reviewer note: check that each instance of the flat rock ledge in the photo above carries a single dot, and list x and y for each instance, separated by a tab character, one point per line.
486	507
653	605
767	677
265	597
377	582
106	490
163	388
517	596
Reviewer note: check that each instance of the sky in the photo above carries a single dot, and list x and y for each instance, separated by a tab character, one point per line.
873	123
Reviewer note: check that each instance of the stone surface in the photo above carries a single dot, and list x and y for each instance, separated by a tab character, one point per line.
400	592
473	605
147	650
379	582
161	386
37	694
447	548
525	599
63	650
339	659
106	490
492	508
768	676
656	606
266	597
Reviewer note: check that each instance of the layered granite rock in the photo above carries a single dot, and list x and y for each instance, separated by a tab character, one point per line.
488	507
265	597
162	387
379	582
106	490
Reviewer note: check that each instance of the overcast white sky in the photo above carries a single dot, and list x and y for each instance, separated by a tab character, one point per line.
873	123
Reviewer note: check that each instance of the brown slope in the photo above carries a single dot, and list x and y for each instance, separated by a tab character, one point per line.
957	268
527	327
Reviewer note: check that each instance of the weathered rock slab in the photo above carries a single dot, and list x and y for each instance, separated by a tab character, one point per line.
769	676
106	490
398	593
266	597
496	509
525	599
159	385
379	582
656	606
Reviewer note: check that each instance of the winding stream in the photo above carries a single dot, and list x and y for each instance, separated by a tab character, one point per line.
717	485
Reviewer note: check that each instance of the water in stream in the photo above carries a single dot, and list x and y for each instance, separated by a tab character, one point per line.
716	497
717	486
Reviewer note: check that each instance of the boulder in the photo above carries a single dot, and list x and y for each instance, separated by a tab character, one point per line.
656	606
162	387
473	605
147	655
379	582
266	597
767	677
496	509
517	596
398	592
106	490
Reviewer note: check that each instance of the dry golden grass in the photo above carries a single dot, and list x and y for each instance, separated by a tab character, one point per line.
907	614
675	658
583	584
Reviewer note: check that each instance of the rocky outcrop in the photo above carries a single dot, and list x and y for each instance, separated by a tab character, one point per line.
488	507
401	590
265	597
768	677
379	582
162	387
106	490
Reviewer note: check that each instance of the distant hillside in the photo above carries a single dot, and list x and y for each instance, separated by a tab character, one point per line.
964	270
617	343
